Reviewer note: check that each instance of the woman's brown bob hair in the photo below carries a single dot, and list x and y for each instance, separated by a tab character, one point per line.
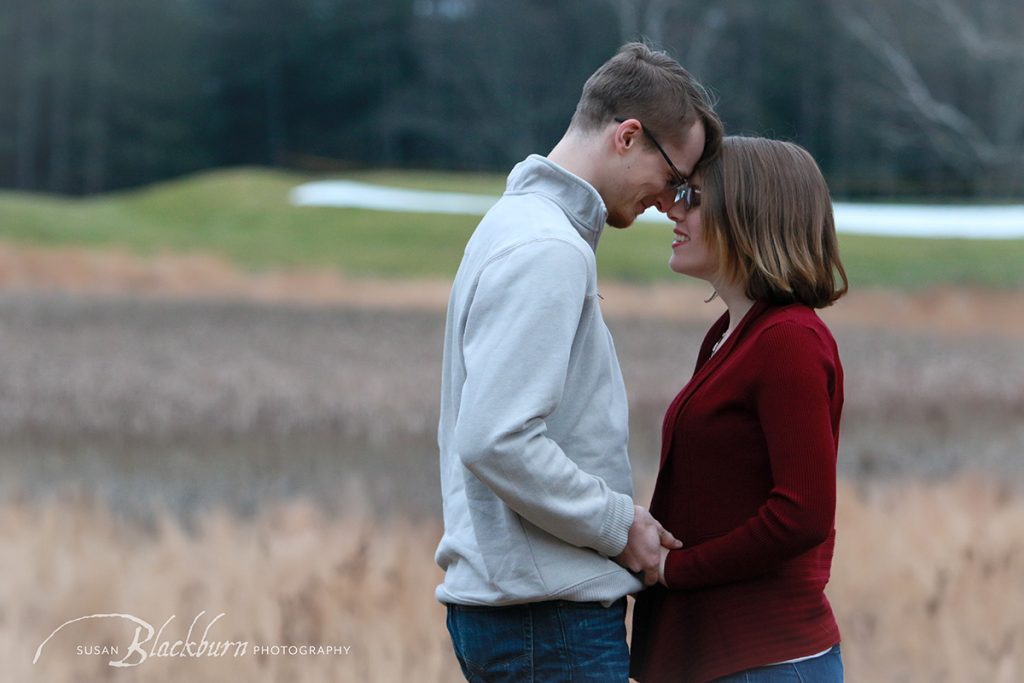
766	210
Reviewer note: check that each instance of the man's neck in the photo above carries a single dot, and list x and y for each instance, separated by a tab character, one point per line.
575	153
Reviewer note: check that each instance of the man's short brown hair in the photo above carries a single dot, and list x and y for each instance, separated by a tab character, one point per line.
653	88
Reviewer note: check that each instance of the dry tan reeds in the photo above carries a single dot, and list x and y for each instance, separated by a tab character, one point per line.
291	576
926	586
927	582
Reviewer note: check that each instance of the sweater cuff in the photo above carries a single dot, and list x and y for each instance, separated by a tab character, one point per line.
615	530
673	568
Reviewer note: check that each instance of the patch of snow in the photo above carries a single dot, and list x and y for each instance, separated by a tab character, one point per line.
906	220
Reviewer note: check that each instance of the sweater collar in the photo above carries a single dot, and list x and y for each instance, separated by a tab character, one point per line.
576	197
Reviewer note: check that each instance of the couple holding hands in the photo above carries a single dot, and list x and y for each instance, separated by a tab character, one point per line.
543	539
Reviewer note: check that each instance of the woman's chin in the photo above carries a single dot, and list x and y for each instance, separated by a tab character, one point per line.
678	268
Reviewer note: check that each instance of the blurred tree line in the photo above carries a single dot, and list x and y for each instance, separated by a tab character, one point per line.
918	98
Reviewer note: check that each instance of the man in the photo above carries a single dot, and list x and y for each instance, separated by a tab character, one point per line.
542	541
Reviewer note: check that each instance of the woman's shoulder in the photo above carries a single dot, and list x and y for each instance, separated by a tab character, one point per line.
794	324
796	314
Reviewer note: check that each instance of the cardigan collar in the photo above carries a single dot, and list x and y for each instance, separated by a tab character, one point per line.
705	358
707	363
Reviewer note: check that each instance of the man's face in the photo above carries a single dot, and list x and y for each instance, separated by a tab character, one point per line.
647	178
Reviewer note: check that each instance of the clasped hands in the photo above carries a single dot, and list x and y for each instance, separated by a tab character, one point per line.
647	547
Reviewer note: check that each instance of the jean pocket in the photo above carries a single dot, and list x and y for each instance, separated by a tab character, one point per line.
492	644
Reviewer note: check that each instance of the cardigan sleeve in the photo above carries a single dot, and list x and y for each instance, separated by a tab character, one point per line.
797	402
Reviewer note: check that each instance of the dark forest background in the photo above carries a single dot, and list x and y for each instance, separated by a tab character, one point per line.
917	98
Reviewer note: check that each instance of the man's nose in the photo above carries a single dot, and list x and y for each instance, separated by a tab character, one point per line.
665	200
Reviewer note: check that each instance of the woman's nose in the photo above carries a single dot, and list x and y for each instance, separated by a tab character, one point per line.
677	210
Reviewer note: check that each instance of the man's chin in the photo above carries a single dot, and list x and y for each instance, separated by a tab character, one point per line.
621	220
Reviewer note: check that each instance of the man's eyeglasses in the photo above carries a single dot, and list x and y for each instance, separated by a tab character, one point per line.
678	179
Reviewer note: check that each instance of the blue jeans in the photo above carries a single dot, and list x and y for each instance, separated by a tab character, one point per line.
555	640
827	668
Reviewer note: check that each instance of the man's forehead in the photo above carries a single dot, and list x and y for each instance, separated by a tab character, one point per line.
689	150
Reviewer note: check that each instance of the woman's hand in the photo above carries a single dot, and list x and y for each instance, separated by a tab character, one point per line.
661	565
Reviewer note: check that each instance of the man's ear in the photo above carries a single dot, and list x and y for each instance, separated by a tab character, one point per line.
627	134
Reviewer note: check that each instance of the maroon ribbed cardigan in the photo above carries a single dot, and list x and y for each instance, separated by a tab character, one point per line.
748	483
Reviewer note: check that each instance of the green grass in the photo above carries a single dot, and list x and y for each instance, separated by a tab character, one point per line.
244	216
641	254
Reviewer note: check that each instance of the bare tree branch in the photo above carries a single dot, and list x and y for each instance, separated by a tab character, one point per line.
949	128
978	43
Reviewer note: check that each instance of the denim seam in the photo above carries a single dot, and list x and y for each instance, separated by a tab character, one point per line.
528	632
453	629
564	642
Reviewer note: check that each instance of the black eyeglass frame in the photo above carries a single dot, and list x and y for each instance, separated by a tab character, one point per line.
681	182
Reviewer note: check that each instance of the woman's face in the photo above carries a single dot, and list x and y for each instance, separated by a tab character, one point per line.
690	253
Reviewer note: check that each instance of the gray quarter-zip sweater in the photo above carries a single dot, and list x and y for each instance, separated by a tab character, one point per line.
533	433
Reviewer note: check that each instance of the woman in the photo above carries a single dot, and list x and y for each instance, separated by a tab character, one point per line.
748	463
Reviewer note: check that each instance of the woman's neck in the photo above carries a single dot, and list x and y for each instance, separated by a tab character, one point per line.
736	301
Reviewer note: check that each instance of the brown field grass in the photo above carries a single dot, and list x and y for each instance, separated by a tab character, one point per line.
116	271
179	436
926	582
926	587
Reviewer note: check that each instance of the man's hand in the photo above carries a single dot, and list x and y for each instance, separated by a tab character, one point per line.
642	554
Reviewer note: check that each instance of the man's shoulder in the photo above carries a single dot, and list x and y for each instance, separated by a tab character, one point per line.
534	210
520	219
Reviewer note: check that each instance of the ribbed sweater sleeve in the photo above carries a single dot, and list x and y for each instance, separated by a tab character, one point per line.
792	387
519	334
